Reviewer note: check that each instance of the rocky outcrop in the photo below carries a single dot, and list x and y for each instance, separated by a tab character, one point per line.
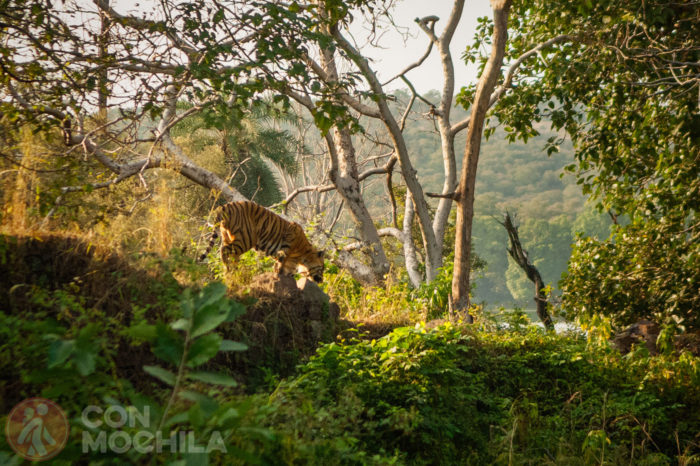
286	321
644	331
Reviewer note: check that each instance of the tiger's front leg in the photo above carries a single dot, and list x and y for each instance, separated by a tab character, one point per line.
284	266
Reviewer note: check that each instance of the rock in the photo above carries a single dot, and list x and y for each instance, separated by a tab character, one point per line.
268	283
312	291
316	329
333	312
288	320
643	331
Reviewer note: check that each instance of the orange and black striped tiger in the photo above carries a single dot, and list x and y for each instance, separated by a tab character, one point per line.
246	225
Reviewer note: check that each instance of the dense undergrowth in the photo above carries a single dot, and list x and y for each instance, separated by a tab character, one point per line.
458	395
140	334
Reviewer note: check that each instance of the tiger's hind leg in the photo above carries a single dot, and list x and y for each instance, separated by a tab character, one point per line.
228	251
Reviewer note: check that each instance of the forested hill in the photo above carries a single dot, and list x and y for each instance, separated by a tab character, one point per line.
511	175
522	178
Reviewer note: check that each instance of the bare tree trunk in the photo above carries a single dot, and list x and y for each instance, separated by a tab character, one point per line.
359	271
521	258
465	193
447	136
409	248
345	178
433	258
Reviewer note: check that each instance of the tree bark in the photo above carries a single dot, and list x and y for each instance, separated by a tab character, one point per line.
409	249
447	136
345	178
521	258
181	162
409	173
465	193
102	54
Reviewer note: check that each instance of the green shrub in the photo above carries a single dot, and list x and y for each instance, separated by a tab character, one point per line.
649	269
462	396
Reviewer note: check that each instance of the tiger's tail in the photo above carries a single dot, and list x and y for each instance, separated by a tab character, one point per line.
212	241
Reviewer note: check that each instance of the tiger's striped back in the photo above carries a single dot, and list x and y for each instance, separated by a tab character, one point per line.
246	225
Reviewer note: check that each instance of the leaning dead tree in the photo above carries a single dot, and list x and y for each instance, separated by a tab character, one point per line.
521	258
110	80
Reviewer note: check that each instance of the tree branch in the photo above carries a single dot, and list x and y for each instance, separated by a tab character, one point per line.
407	169
521	258
144	25
429	30
453	195
513	68
304	189
344	96
383	232
510	74
425	55
330	187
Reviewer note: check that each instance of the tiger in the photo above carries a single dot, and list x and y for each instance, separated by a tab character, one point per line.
245	225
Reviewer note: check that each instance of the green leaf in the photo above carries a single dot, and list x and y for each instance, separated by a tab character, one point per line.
230	345
59	352
161	374
211	293
84	360
208	318
142	331
176	419
208	404
235	309
197	459
180	324
213	378
203	349
187	303
169	344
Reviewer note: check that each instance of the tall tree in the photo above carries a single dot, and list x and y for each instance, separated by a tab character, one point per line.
467	182
338	99
56	61
60	63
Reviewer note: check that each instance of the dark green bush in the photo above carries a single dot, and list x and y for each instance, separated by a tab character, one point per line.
456	396
648	270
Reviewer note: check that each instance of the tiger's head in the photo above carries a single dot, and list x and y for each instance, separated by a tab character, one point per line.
303	254
314	264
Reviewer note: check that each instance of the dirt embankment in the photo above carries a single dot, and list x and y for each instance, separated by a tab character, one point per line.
284	321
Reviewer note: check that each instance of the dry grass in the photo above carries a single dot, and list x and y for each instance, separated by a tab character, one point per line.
374	310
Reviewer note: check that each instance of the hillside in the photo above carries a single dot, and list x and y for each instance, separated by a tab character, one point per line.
173	357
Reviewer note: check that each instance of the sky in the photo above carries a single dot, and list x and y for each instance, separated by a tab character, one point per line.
397	53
